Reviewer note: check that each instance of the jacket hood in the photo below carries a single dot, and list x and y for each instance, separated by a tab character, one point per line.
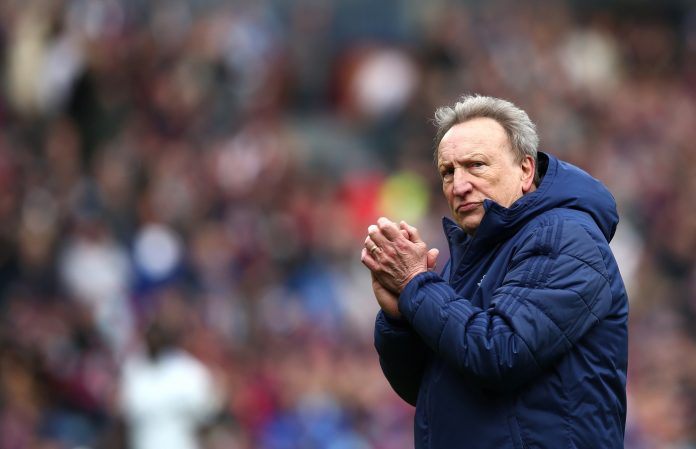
563	186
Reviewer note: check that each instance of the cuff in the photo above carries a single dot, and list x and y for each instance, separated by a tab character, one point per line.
409	292
392	322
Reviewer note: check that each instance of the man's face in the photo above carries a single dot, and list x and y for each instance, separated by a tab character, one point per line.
476	162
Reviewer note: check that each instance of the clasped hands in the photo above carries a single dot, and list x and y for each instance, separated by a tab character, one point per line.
394	254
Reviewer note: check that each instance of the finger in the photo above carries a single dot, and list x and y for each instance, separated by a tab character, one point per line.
412	231
389	228
404	230
377	236
368	260
369	243
432	258
372	247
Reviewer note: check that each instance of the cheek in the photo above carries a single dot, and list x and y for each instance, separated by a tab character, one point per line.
511	191
447	191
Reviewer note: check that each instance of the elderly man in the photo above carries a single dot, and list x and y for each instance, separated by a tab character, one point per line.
521	342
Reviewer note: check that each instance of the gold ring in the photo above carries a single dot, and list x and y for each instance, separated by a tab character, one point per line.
374	248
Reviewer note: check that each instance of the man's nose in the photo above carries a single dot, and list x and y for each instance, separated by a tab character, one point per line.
461	182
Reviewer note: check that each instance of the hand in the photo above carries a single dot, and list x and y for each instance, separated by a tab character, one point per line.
395	255
432	252
388	301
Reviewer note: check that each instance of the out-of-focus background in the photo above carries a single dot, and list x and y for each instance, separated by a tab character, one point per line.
185	186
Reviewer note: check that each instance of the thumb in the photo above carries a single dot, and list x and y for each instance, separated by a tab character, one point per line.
412	232
432	258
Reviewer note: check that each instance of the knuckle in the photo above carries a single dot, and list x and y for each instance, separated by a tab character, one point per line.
401	245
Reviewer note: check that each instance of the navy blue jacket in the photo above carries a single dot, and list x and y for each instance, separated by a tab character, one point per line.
522	341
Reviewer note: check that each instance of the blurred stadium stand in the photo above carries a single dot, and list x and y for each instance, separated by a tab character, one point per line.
211	167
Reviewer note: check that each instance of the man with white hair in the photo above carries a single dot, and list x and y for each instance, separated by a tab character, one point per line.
522	340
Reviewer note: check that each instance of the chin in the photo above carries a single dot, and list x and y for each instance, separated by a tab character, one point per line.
468	225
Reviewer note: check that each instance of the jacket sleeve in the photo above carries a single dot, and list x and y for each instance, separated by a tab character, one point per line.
402	356
555	290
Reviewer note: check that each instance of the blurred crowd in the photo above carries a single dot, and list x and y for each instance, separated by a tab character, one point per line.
185	186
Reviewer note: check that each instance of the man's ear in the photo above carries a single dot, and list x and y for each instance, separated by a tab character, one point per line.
528	169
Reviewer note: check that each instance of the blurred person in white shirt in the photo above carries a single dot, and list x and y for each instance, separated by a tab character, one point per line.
167	396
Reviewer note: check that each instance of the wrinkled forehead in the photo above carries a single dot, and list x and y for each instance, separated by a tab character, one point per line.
479	135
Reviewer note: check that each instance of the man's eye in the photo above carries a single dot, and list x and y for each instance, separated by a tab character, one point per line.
446	173
476	164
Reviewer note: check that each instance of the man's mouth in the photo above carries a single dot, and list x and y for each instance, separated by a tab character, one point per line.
467	207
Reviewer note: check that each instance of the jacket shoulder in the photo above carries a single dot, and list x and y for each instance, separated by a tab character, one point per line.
568	232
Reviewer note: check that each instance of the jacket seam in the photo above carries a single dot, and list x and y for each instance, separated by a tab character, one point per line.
589	308
566	420
596	246
529	349
551	320
589	265
556	224
444	325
